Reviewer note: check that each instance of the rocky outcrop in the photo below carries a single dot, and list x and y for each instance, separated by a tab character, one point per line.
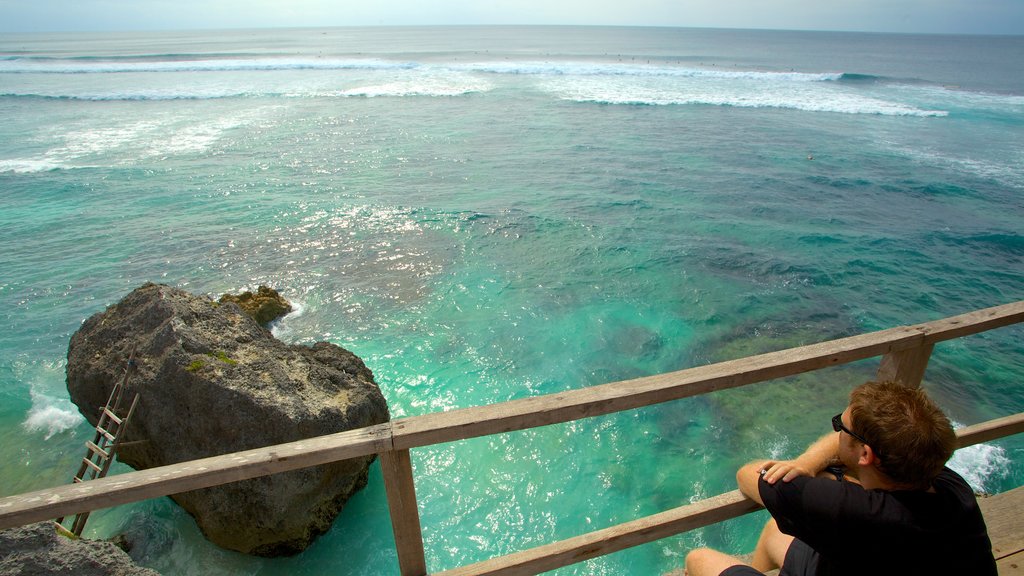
211	381
265	306
37	550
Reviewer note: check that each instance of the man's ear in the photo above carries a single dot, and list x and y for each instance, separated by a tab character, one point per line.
866	456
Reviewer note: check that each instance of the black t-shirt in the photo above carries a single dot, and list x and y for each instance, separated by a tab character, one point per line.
878	532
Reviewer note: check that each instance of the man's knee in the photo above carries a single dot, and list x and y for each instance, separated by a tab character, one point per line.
697	557
774	542
708	562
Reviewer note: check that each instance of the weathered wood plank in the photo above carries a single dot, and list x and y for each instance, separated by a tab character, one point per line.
71	499
1004	517
1011	565
405	516
629	394
622	536
972	322
991	430
905	366
617	396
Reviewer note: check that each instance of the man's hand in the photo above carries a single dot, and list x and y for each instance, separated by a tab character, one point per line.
784	470
812	461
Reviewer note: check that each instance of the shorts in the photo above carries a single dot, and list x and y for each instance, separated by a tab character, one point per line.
801	560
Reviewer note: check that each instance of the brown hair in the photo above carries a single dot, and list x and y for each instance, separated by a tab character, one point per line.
911	436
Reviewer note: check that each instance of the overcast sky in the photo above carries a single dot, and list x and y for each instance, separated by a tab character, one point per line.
936	16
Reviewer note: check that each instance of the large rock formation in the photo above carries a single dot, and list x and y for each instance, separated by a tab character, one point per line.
37	550
211	380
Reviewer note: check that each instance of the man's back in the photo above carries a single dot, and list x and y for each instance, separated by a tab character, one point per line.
859	531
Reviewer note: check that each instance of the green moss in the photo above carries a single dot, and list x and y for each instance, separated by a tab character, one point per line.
195	366
223	357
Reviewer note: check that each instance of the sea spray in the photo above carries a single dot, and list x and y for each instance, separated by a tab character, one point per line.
50	416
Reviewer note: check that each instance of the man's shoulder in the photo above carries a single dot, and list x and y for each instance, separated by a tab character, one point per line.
949	478
806	491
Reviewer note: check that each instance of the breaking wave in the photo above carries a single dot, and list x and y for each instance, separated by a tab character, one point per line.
126	65
603	82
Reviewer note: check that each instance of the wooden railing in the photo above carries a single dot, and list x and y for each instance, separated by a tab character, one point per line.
904	350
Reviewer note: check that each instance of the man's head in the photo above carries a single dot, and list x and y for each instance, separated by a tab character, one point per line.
907	432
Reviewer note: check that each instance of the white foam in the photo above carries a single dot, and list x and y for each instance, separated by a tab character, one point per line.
436	87
28	165
981	465
1009	173
637	70
736	92
282	328
92	146
95	140
51	416
559	67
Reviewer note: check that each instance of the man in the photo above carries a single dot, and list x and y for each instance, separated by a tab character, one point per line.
902	512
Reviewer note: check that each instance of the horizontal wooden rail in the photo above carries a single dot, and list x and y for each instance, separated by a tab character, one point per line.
669	523
594	544
72	499
441	427
991	430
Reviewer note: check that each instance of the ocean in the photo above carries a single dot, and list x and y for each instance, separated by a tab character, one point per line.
491	213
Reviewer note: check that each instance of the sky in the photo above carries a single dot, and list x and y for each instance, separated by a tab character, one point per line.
914	16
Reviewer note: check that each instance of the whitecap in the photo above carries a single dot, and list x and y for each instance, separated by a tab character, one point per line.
570	68
28	165
733	92
427	86
51	416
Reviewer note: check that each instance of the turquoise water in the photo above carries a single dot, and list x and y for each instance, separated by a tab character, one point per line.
485	214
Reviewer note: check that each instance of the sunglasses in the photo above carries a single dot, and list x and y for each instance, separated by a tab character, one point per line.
837	425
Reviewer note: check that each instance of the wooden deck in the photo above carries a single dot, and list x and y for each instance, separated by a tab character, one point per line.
1004	516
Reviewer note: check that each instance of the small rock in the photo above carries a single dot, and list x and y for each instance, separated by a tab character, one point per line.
37	550
265	306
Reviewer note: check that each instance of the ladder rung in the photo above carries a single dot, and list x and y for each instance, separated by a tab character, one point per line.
61	529
77	480
92	464
110	414
106	434
97	450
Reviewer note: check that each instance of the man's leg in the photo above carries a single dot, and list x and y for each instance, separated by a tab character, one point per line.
771	547
708	562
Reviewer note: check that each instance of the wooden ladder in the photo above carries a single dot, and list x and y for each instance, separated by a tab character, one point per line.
100	452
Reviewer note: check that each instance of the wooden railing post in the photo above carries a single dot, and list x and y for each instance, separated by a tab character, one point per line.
905	366
405	517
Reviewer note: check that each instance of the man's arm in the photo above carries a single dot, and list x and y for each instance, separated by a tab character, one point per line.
816	458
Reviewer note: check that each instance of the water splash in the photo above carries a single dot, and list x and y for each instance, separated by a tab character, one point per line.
51	416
